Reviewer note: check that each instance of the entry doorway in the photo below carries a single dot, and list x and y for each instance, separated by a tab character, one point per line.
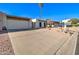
40	24
44	24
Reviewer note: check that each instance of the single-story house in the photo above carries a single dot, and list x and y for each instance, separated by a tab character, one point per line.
14	22
66	22
53	23
37	23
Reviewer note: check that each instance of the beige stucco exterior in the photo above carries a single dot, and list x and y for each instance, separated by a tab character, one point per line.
11	23
2	20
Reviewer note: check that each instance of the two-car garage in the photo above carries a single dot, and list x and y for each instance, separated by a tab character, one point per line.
18	23
14	22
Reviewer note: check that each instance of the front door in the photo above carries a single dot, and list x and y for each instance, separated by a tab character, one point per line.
44	24
40	24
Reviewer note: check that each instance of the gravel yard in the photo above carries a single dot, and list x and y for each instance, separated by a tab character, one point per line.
5	45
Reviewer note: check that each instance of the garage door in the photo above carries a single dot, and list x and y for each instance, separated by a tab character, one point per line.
15	24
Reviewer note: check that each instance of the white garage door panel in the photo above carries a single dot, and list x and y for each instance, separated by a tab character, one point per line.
30	24
15	24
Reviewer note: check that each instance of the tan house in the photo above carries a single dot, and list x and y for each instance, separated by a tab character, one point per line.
14	22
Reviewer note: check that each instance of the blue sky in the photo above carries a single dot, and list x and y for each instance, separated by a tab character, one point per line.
55	11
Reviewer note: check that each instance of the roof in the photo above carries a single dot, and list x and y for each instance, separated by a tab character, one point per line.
52	21
41	20
15	17
55	21
18	18
66	20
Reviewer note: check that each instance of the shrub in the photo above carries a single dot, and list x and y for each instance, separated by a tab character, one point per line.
75	25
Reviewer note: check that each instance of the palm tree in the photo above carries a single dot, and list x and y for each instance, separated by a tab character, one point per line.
41	6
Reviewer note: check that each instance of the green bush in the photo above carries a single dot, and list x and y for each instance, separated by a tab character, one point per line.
75	25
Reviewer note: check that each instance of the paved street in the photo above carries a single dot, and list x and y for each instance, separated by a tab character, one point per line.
40	41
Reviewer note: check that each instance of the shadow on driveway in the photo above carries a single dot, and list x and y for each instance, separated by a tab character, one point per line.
15	30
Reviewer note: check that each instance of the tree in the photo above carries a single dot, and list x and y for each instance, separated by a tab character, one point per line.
74	21
41	6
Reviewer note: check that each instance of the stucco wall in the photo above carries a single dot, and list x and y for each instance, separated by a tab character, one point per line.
37	25
2	20
18	24
42	24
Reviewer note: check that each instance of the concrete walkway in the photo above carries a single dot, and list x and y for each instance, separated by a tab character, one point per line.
41	41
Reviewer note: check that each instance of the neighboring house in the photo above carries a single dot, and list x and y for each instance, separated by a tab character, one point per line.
55	23
14	22
49	22
66	22
37	23
52	23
